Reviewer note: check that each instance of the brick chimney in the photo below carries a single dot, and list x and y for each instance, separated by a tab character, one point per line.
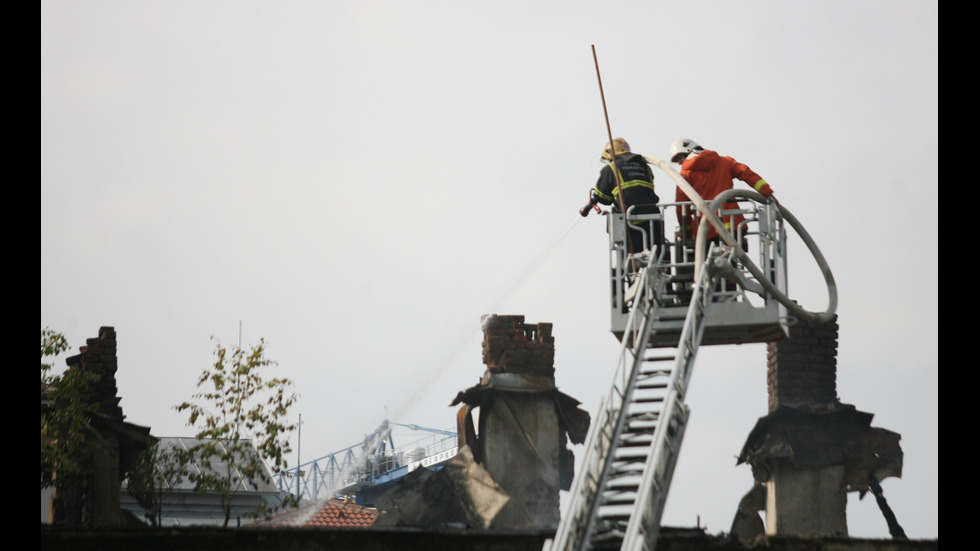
98	357
803	368
512	346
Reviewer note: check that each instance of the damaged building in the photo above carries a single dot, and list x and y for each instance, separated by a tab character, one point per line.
514	430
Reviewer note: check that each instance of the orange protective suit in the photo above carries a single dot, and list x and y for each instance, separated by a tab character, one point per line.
710	174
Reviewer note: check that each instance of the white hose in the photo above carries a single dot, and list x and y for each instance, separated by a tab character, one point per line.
709	217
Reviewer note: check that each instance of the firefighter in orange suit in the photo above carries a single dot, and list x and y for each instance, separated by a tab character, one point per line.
710	174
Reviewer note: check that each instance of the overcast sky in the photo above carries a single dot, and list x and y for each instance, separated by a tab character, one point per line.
359	182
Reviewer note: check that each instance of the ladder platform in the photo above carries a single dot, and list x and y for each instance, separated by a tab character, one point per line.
726	323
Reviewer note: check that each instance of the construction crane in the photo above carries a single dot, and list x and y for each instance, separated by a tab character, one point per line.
366	468
667	300
413	426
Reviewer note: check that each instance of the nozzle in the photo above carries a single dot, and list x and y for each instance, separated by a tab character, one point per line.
584	211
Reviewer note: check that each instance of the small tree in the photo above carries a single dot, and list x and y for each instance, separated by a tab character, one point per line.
237	404
64	412
159	471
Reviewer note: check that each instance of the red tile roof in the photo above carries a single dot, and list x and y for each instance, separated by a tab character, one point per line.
336	514
329	514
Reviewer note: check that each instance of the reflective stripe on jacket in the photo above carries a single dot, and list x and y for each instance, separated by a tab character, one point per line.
637	182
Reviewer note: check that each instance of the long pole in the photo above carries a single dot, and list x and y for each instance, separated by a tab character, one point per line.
619	187
615	168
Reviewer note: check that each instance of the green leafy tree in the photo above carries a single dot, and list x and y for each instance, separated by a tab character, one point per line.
64	412
238	409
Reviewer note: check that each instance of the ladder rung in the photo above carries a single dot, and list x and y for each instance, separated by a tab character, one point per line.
621	491
625	453
629	467
634	469
649	400
627	499
624	484
655	374
647	430
667	316
625	478
614	515
641	427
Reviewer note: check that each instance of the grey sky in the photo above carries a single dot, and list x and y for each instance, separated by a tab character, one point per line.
359	182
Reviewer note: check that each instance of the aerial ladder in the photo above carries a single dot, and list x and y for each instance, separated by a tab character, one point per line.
667	300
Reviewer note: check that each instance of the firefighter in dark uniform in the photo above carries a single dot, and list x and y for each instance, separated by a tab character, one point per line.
636	182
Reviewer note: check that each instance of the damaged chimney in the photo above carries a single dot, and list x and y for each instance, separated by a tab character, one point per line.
524	422
812	449
513	462
802	378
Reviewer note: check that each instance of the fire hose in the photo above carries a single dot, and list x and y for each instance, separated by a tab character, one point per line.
709	217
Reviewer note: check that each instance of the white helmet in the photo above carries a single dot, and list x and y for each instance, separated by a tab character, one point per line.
683	147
